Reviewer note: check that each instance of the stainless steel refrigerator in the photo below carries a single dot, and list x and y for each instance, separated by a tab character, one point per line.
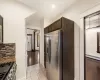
59	50
53	55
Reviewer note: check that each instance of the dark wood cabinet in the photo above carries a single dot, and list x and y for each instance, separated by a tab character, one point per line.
55	26
92	69
67	28
46	30
1	29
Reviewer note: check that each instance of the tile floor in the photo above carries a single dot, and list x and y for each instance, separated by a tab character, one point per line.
36	72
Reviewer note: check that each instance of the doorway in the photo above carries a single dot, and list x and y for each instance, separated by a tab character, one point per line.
29	42
92	47
33	47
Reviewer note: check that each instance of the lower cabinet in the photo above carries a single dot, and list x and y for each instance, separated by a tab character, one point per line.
92	69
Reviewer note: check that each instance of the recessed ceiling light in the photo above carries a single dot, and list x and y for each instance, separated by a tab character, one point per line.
53	6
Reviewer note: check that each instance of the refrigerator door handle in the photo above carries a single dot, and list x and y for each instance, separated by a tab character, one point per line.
49	51
60	54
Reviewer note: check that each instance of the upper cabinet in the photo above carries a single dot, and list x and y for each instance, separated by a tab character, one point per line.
1	29
55	26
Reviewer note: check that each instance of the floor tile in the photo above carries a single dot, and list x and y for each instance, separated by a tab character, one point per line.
36	72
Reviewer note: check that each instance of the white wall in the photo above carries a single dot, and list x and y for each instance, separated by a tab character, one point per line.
14	32
42	42
14	15
91	42
47	22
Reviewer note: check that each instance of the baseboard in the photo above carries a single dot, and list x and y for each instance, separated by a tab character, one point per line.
24	78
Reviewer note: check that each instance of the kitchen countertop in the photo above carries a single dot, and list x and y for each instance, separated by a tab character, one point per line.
7	59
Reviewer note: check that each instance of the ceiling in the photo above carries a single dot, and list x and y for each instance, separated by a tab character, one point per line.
34	19
44	7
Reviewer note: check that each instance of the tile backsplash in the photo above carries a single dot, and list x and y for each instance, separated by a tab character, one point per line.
7	49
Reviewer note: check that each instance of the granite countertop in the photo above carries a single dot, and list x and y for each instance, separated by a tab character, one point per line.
7	53
7	59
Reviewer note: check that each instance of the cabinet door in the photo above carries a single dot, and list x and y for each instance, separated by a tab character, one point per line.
55	26
45	30
29	42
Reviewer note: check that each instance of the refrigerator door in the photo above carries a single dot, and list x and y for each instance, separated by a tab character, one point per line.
53	55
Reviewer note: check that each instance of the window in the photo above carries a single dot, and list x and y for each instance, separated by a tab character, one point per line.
92	21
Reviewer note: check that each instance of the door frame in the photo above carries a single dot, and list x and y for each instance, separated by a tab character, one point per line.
31	40
40	51
94	13
82	40
35	38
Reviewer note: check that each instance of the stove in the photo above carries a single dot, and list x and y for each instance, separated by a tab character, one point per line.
1	75
4	69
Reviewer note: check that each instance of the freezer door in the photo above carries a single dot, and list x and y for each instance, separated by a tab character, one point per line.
53	55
